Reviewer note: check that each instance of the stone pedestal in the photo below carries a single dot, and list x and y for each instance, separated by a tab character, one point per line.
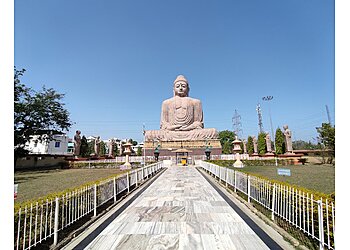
127	153
236	150
238	163
197	147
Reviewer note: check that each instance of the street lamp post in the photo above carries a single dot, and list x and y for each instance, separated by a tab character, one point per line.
268	99
144	144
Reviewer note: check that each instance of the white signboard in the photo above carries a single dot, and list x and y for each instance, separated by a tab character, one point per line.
283	171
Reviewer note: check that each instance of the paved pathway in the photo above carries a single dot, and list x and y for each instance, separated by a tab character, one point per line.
180	210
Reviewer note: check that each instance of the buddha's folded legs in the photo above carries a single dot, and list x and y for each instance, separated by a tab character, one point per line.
166	135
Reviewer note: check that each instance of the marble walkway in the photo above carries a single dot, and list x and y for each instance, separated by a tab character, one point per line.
180	210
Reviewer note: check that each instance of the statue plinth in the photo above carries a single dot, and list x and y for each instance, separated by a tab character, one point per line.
197	147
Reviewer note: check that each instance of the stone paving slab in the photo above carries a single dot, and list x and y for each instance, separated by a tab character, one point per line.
180	210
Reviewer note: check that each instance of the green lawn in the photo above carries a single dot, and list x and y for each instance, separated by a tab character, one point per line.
36	184
320	178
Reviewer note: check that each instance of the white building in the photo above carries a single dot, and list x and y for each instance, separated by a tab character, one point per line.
57	145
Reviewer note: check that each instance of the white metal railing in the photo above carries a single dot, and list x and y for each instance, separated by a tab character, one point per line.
316	218
40	221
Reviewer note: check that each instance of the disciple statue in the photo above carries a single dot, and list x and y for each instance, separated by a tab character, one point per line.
181	117
288	139
255	145
77	142
268	143
111	147
97	146
244	146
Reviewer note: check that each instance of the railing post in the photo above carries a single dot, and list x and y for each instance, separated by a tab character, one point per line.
95	200
136	177
320	224
55	230
114	190
248	188
127	181
226	179
235	180
273	202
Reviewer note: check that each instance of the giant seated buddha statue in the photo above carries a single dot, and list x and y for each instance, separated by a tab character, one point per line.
181	118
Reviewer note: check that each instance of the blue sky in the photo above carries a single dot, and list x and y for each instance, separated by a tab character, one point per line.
116	60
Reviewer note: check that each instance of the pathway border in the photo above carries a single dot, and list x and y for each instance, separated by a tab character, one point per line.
91	231
254	218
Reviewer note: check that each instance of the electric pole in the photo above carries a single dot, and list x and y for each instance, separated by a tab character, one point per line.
258	109
237	125
328	115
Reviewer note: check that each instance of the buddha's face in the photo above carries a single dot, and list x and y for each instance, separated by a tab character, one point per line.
181	88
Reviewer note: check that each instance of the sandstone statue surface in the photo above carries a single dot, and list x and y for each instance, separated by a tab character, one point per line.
97	146
111	144
288	139
181	117
268	143
255	145
77	142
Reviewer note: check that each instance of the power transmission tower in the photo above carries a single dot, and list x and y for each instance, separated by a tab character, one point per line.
237	125
328	115
258	109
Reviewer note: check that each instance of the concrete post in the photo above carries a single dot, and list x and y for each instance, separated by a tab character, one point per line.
55	230
114	190
127	181
320	224
248	188
95	200
273	202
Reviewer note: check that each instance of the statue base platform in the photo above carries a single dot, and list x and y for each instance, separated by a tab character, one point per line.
197	147
269	154
238	164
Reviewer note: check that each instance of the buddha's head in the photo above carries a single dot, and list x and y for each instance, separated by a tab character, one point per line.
181	87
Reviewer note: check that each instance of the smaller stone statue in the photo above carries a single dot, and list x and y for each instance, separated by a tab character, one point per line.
97	146
288	139
111	147
77	143
268	143
255	144
244	146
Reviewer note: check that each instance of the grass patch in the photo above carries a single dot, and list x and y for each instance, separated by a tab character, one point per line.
319	178
35	184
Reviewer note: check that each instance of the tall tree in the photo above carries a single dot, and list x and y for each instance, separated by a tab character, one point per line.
139	151
102	148
261	143
327	137
280	146
250	145
226	138
35	112
84	147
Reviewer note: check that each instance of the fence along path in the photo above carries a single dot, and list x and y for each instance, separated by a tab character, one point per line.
315	218
40	221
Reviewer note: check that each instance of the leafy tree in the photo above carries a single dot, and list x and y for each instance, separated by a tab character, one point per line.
300	144
116	150
280	146
327	137
84	147
250	145
91	147
242	147
261	143
102	148
139	151
35	113
226	138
